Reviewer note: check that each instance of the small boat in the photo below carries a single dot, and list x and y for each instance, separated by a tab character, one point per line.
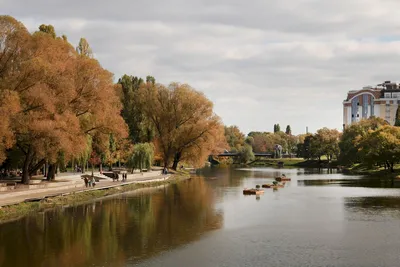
267	186
252	191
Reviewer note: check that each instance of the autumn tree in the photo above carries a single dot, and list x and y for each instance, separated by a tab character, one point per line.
60	97
234	137
39	76
9	107
187	128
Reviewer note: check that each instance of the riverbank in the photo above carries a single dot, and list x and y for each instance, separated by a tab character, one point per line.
360	169
295	162
16	211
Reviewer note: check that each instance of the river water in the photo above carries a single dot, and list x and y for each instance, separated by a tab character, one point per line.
318	219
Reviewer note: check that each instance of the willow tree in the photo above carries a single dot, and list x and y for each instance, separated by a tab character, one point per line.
142	157
187	128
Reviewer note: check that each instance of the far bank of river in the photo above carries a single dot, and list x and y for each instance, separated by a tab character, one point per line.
315	164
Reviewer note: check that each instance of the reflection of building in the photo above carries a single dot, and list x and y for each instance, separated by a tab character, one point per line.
380	101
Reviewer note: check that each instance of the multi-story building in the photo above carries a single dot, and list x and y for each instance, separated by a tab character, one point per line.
380	101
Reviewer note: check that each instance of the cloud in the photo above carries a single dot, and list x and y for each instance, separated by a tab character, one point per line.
260	62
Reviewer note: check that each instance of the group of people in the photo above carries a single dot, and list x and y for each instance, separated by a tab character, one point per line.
124	176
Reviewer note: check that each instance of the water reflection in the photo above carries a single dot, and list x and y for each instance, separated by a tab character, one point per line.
373	203
114	231
368	182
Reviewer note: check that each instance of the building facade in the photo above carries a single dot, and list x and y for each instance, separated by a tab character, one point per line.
380	101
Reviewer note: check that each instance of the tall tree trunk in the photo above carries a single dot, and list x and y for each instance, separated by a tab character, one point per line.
51	174
45	169
26	177
387	165
177	158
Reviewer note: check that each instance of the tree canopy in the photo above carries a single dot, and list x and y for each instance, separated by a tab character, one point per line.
57	98
234	137
186	126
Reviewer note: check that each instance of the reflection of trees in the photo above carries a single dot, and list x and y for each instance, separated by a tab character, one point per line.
231	177
111	231
373	204
363	182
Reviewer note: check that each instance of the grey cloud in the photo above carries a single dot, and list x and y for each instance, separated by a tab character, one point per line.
261	62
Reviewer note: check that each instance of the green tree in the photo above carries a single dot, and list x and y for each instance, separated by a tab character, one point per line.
246	154
234	137
142	157
380	146
84	49
349	153
329	141
277	128
48	29
140	128
397	122
150	79
288	130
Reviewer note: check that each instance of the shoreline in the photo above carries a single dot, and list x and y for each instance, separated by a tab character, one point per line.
295	162
16	211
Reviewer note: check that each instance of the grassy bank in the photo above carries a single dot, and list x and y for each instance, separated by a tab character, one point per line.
295	162
13	212
360	169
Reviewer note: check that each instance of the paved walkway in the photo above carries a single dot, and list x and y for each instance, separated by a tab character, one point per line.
74	184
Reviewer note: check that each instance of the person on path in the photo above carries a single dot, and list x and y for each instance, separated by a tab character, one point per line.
85	179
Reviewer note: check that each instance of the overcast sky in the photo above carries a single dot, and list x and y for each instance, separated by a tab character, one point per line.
260	62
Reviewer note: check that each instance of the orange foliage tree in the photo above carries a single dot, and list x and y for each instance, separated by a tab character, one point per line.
57	97
187	128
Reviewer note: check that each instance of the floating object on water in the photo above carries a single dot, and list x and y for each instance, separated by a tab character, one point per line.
252	191
283	178
267	186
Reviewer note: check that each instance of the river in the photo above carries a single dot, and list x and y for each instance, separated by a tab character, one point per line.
320	218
